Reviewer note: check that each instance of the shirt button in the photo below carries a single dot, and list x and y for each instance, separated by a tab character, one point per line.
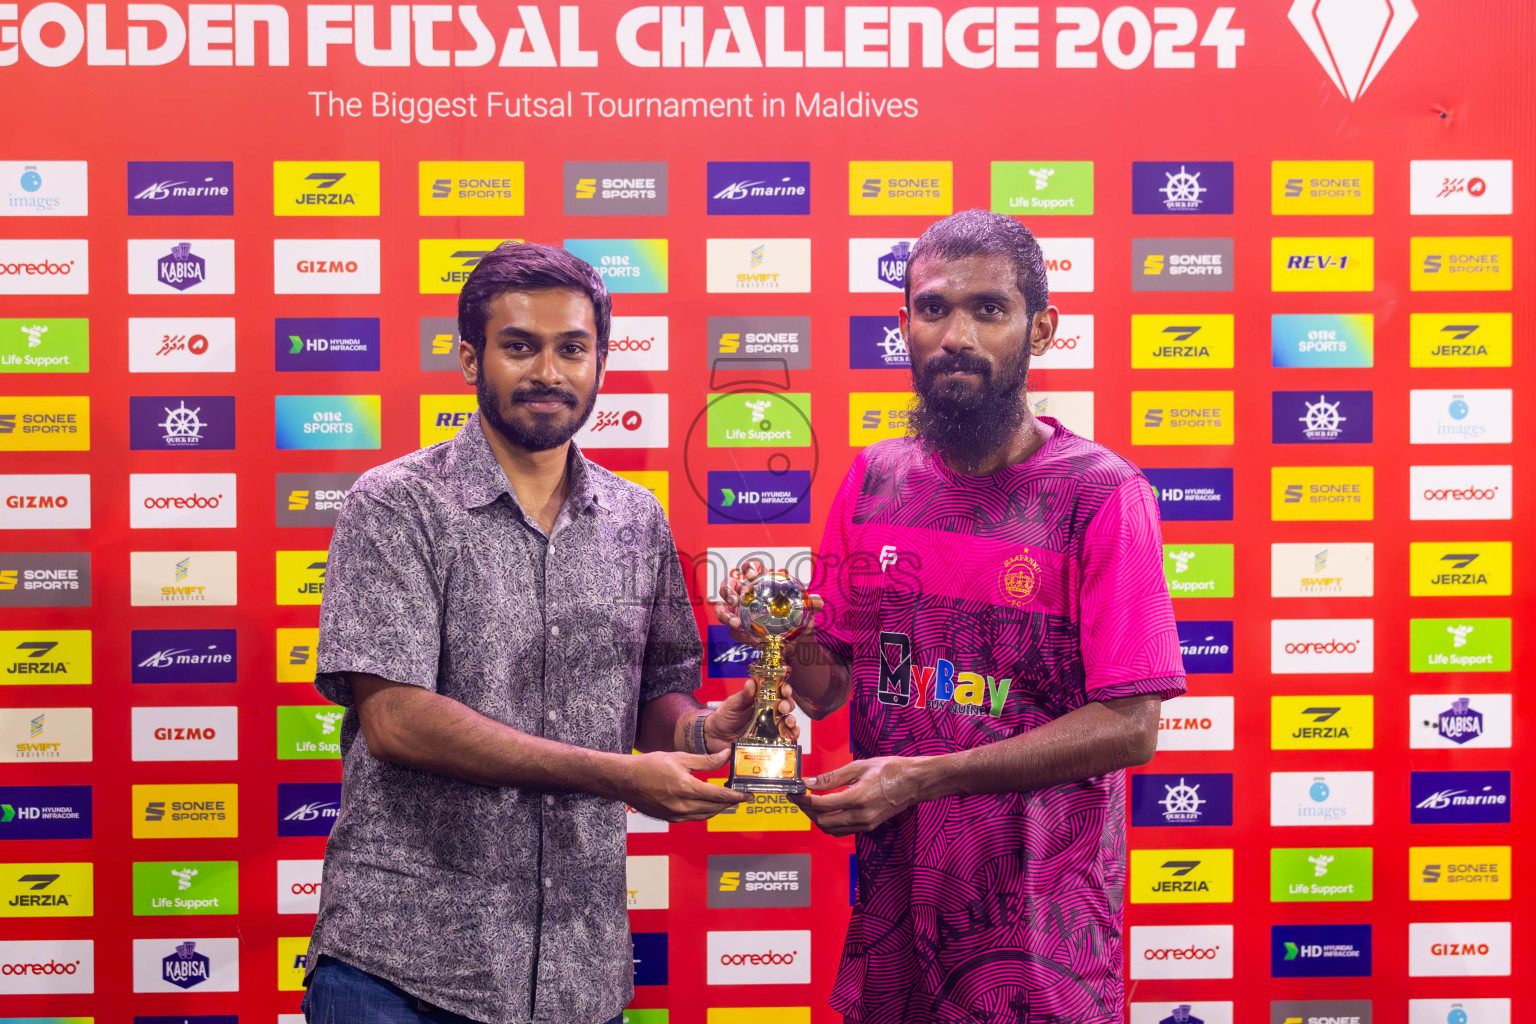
554	630
551	716
549	883
550	800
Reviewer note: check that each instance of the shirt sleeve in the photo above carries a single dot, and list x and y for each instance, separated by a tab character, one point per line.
1129	641
834	571
382	609
674	654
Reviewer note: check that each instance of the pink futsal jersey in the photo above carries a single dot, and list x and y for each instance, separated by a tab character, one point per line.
973	609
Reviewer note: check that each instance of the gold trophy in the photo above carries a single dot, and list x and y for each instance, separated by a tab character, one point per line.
773	608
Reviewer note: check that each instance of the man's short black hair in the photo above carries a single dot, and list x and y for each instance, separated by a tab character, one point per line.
981	233
528	267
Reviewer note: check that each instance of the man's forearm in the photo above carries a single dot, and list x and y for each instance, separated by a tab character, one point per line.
669	723
1094	739
819	679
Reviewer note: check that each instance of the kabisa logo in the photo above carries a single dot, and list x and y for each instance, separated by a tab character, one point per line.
1203	1012
878	264
1181	188
183	655
1199	495
45	345
938	686
185	967
1331	340
1460	339
875	343
43	188
1180	951
1462	264
625	264
1169	341
1322	187
1308	798
1461	186
327	421
333	188
182	269
1467	721
1311	417
311	499
327	343
1181	800
45	267
1206	646
1322	723
62	655
1320	951
1465	416
470	188
1459	798
45	580
200	266
901	187
626	188
1353	46
1460	723
325	266
1181	264
779	187
307	808
181	423
181	188
1036	187
1180	876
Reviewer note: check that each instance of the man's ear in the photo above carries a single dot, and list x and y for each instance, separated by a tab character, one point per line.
469	363
1043	331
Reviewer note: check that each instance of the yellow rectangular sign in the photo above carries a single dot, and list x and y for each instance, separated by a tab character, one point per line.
1182	417
443	416
653	480
297	650
760	812
292	953
1467	568
51	657
1181	876
1322	723
877	416
1182	340
325	188
757	1015
184	811
1322	187
45	423
444	264
1333	493
1322	264
1461	264
47	890
470	188
925	187
301	576
1459	872
1461	339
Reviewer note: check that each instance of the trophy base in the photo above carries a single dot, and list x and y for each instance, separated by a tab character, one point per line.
765	768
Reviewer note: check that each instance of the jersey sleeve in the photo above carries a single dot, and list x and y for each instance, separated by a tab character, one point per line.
1129	642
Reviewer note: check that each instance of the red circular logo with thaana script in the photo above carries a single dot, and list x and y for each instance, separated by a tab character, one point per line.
197	344
631	420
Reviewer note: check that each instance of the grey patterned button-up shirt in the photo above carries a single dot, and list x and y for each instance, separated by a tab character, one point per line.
505	905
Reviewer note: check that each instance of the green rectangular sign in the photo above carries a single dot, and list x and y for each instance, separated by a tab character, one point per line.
645	1017
186	887
1317	875
45	345
1459	645
1029	188
760	419
1198	570
309	731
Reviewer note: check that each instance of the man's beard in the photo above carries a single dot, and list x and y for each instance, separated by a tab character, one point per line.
965	423
549	430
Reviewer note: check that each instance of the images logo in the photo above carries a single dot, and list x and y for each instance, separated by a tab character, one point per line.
337	188
1181	188
1459	1011
179	267
758	957
1468	949
1180	876
327	343
1180	951
877	187
1202	495
1205	646
1459	645
53	423
1322	187
301	576
311	499
782	187
325	266
1309	798
612	187
1054	187
1462	568
57	657
47	890
1321	875
158	501
1460	339
1181	800
1320	951
878	264
307	808
45	502
1181	417
758	264
647	883
1322	570
43	188
327	421
760	881
181	422
1322	723
186	811
444	264
1322	264
37	580
1353	49
1463	264
1459	872
759	496
627	264
1461	186
181	887
771	342
1197	723
1322	340
470	188
1312	417
45	345
181	188
1181	264
184	655
1465	416
1322	493
1198	570
1459	798
45	266
181	344
1197	340
1468	720
1460	492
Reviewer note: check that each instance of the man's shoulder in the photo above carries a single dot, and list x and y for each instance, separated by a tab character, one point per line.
413	481
620	495
1090	460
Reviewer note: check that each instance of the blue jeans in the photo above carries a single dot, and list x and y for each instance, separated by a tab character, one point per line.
339	993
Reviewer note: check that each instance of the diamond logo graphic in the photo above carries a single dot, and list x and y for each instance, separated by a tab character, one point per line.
1352	39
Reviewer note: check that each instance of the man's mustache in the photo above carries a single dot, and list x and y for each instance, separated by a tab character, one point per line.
957	362
543	395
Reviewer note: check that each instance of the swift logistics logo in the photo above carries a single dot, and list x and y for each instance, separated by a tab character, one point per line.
627	264
45	580
757	264
1183	800
1354	46
47	890
1461	187
335	188
1463	416
1182	417
334	422
1180	876
1461	264
1461	568
1181	264
1037	187
1459	872
1331	340
782	342
1312	188
917	187
181	188
1192	495
444	264
180	423
311	499
1321	875
1320	951
1180	951
182	577
186	811
1299	646
30	735
1461	339
183	655
44	188
1462	721
646	882
325	266
1176	341
1074	409
45	423
45	345
201	266
1322	569
57	657
1198	570
625	188
1322	723
326	343
45	812
1206	647
770	188
1197	723
45	266
1459	798
1181	188
185	734
469	188
1321	798
45	502
301	576
307	808
296	651
1459	645
1334	493
1465	949
759	881
1316	417
1322	264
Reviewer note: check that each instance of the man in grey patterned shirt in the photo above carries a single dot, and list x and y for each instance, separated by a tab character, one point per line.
504	621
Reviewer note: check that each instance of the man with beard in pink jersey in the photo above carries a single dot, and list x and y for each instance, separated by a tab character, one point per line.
997	621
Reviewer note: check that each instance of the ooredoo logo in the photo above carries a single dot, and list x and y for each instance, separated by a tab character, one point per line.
181	500
759	958
298	886
1181	951
1460	492
1321	645
45	266
47	967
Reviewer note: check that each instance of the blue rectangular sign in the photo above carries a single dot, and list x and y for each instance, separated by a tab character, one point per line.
727	658
772	187
181	188
181	423
1330	340
875	343
1181	187
1190	495
1320	951
335	343
1321	417
183	655
1206	646
307	808
1180	800
1458	798
45	812
759	496
650	958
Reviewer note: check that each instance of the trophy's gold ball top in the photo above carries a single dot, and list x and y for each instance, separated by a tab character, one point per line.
774	604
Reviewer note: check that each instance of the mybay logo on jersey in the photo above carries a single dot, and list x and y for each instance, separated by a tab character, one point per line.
58	657
875	343
30	735
1206	647
45	580
298	886
1459	872
327	421
1321	798
45	266
1179	340
1321	645
201	266
1321	875
327	343
1180	876
43	188
1180	951
760	420
646	882
1181	264
325	266
881	187
637	343
626	421
439	338
1461	339
1181	417
625	188
1313	188
1181	187
1334	493
469	188
296	654
758	958
1460	492
1323	569
877	416
182	577
333	188
878	264
307	808
47	967
45	502
311	499
1465	949
182	965
1202	1012
1329	340
301	576
1026	188
185	734
45	423
1320	951
1463	721
1322	417
636	264
1461	264
444	264
1459	1011
1322	723
1458	798
1461	187
186	811
1322	264
1068	263
181	188
1186	799
1461	568
181	423
773	187
45	345
190	344
1464	416
1198	570
757	265
782	342
47	890
183	655
1459	645
1195	494
186	887
759	496
309	732
173	501
1072	348
759	881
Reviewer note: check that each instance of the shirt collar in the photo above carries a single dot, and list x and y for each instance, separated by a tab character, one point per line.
478	479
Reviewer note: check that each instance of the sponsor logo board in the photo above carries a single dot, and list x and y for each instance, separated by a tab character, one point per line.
45	345
181	344
1321	798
